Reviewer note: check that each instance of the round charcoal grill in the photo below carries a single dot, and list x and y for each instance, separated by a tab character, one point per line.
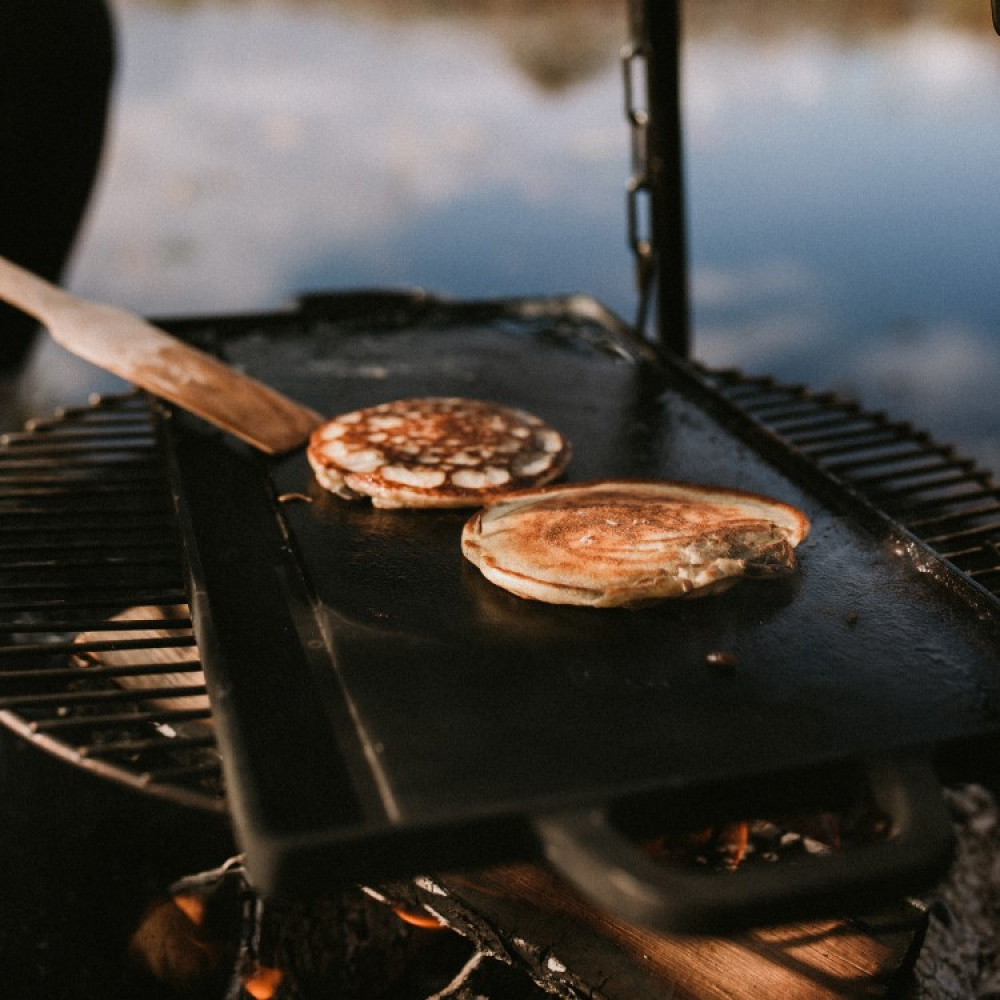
98	663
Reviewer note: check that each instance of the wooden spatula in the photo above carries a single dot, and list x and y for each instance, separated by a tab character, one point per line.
152	359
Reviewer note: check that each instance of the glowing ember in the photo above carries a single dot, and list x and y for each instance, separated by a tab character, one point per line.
191	906
732	845
418	919
263	982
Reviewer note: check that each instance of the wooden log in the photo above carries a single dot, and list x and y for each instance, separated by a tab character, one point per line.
525	915
146	663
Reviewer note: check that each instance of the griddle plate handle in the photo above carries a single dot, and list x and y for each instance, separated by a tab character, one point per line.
609	869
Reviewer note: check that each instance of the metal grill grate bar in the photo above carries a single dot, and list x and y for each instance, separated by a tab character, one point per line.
27	650
956	517
61	594
842	439
980	533
907	455
73	674
166	624
128	747
115	720
11	613
845	419
82	699
935	484
912	469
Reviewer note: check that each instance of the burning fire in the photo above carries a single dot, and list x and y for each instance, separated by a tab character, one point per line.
173	944
727	843
732	845
191	906
418	919
263	982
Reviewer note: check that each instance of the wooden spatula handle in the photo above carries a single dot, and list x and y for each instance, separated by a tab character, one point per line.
139	352
28	292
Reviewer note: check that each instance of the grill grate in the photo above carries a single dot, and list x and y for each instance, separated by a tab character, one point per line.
98	662
92	666
942	498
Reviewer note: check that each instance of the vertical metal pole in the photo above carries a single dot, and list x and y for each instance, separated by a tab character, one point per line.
661	28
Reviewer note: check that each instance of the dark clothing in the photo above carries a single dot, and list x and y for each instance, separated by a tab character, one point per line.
56	67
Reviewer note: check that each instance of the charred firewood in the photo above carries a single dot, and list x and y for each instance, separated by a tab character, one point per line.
211	936
511	933
485	978
187	943
490	938
525	916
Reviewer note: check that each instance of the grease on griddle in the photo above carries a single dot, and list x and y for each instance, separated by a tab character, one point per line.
720	658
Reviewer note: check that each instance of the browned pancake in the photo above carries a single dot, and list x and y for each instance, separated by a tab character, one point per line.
435	452
630	542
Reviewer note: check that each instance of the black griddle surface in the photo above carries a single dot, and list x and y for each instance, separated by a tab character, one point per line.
393	709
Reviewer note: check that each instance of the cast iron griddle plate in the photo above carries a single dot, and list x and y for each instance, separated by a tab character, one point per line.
383	707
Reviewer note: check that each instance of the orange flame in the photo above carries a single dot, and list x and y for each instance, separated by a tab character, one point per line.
191	906
417	919
733	842
263	982
728	842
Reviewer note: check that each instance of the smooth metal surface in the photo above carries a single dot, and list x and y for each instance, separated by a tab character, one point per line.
467	710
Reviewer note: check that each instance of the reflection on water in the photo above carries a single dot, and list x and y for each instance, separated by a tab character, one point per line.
841	163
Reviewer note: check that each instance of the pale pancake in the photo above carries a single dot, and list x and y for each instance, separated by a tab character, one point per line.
435	452
626	542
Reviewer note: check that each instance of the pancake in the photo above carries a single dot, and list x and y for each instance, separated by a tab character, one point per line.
615	543
435	452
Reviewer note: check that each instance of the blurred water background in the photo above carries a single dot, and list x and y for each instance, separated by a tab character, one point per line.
842	166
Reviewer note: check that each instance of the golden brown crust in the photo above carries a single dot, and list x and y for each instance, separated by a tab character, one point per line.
435	452
628	542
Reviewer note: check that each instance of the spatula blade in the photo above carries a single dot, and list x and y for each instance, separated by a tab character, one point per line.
139	352
192	379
